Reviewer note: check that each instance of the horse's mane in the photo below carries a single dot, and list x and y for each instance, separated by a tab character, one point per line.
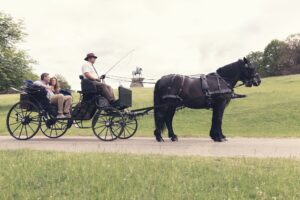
230	67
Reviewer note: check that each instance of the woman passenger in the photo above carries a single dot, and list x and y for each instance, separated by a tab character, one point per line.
67	100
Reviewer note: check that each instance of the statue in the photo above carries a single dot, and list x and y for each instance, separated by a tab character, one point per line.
138	71
137	79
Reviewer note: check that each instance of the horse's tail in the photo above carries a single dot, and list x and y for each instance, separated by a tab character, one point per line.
158	115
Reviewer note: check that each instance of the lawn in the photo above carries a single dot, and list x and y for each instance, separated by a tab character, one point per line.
51	175
271	110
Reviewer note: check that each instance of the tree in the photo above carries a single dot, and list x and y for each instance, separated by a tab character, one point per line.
14	63
272	58
257	58
62	82
293	42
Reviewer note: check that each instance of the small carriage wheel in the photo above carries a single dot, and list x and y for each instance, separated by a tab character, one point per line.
107	124
23	120
130	126
54	128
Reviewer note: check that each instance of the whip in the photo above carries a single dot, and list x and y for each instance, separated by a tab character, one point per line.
114	65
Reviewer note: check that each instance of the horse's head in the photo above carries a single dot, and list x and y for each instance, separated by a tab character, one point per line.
249	76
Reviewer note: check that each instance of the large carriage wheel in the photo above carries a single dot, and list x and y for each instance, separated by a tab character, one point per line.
23	120
130	126
54	128
107	124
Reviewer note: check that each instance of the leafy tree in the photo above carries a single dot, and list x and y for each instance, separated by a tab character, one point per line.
257	58
14	63
62	82
293	42
273	55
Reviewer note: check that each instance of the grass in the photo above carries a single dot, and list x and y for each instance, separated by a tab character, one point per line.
271	110
51	175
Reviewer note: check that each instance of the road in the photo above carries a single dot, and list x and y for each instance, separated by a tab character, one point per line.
234	147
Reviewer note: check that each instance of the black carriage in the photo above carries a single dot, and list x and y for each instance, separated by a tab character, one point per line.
34	112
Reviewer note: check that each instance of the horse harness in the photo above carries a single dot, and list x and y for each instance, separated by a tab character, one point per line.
170	87
209	93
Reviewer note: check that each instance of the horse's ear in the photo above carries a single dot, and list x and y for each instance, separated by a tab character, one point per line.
245	60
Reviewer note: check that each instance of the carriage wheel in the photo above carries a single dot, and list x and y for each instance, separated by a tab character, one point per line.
130	126
54	128
23	122
107	124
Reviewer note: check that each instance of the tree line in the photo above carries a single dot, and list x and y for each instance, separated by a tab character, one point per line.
279	57
15	63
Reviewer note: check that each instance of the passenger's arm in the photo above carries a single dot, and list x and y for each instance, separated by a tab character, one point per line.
42	85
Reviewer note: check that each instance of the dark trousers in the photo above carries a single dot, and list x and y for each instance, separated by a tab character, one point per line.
105	90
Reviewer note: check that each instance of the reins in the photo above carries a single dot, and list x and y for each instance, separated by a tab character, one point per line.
239	85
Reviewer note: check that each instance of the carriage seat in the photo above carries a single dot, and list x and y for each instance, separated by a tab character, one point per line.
87	86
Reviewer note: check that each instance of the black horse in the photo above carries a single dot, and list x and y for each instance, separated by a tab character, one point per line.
211	91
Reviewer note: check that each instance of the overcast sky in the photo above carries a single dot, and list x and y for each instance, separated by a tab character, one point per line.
169	36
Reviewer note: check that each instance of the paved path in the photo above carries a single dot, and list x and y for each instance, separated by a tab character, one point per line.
234	147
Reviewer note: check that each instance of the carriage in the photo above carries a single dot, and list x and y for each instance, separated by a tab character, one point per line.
34	113
212	91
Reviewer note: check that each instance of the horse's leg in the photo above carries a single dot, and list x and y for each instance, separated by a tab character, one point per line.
225	103
217	117
169	120
159	118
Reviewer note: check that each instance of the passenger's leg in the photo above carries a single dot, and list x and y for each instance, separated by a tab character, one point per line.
68	103
58	99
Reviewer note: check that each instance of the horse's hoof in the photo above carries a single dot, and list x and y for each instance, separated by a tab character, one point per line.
174	139
218	139
159	139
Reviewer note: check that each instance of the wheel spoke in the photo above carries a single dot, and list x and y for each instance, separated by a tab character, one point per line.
101	131
26	131
111	133
99	126
16	128
14	123
19	112
55	129
21	131
31	128
106	133
130	127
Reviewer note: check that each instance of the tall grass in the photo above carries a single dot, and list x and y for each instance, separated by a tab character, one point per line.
52	175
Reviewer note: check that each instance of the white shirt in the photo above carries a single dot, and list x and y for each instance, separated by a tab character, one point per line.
46	86
88	67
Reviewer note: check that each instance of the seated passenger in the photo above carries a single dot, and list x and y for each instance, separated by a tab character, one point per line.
89	72
67	98
58	99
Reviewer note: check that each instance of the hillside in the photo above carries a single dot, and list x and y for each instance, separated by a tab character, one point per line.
271	110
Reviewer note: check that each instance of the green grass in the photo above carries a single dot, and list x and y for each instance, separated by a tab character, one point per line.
52	175
271	110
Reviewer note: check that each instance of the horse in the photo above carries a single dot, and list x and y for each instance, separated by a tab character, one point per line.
174	91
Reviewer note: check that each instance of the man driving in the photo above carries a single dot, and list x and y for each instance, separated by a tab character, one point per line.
89	72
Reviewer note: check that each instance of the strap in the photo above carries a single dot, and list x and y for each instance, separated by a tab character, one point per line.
96	71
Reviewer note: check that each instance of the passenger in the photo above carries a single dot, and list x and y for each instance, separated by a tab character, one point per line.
89	72
67	98
58	99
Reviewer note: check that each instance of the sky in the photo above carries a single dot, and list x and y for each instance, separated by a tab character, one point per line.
167	36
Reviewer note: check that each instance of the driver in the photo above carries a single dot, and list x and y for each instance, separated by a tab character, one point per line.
89	72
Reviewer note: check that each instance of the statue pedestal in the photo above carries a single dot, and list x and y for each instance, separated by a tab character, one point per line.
137	82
